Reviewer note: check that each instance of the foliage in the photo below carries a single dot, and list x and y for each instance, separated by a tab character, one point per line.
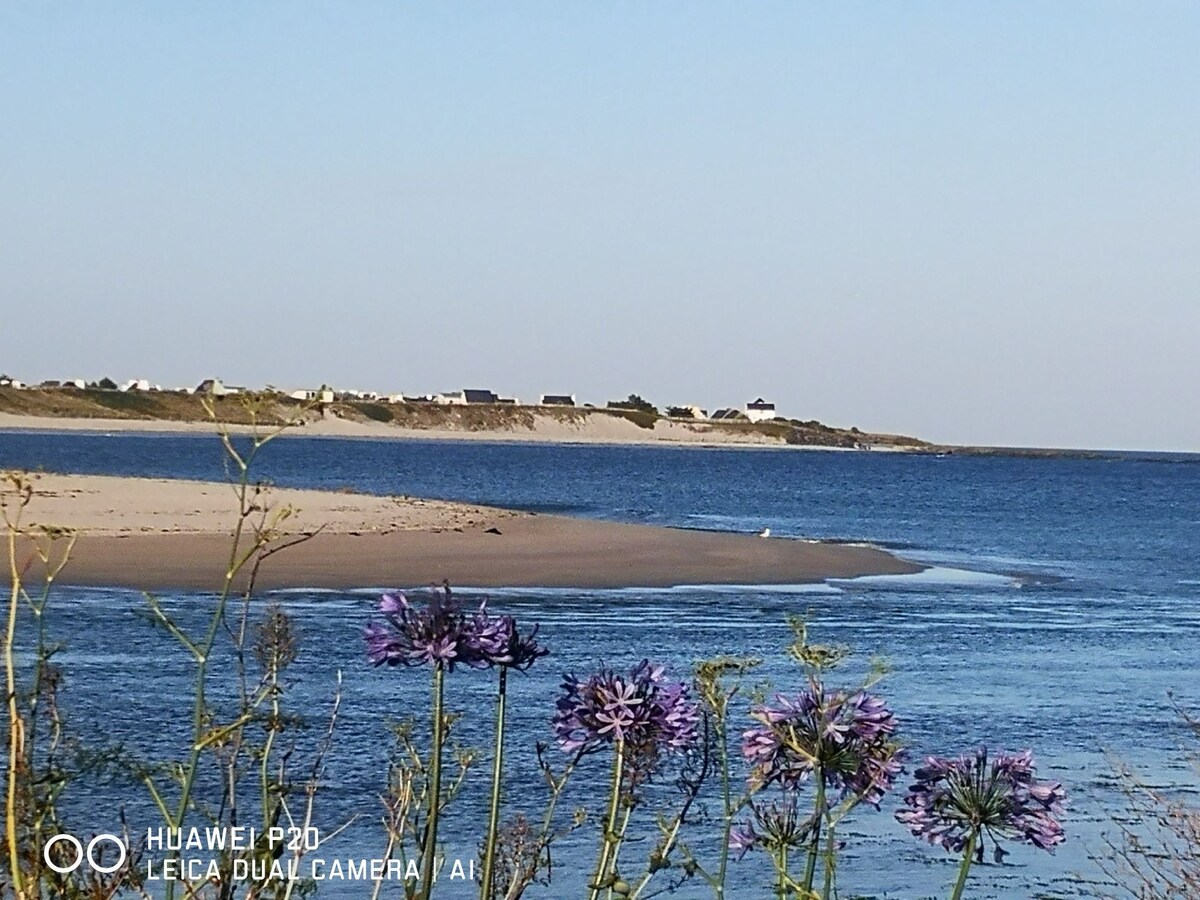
128	402
634	402
1155	852
638	417
239	766
680	412
376	412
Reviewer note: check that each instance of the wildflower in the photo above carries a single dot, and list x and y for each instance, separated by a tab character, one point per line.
847	737
498	640
639	708
954	801
443	634
776	826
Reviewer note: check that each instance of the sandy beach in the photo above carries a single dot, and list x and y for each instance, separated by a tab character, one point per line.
157	534
542	429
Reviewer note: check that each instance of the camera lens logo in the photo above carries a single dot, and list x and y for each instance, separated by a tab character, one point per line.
90	853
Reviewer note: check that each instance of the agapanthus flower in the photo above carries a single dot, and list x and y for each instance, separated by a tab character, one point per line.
773	826
847	735
953	800
640	708
500	642
442	633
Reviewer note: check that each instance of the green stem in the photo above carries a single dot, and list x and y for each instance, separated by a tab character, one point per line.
965	868
727	799
15	722
610	825
493	833
781	874
830	864
814	844
429	844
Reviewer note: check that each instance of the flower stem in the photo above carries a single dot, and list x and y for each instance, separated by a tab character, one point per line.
727	801
830	862
429	844
16	723
610	825
965	868
814	844
489	856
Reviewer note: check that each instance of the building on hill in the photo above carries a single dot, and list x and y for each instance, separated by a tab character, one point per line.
217	388
307	395
557	400
727	414
760	410
139	384
478	395
450	398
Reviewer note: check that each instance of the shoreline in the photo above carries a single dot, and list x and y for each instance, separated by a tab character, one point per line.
157	534
595	429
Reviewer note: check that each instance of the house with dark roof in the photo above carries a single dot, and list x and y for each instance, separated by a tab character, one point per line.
478	395
760	410
558	400
726	414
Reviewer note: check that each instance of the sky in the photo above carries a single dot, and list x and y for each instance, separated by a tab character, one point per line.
970	222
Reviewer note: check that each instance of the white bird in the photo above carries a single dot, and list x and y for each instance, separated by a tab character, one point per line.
766	532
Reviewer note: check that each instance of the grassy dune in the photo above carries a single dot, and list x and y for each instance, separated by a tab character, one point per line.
554	423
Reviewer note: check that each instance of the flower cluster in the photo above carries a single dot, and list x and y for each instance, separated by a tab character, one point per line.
775	826
640	708
442	634
954	800
847	736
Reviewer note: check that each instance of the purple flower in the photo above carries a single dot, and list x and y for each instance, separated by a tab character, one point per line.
773	826
742	839
442	634
954	800
500	641
848	736
639	708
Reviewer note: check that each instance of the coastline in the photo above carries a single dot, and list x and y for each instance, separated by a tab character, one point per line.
523	425
155	534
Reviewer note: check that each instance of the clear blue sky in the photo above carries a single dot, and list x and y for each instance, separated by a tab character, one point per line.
974	222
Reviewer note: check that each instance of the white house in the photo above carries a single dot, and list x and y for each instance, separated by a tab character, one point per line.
321	395
5	381
451	398
217	388
140	384
760	410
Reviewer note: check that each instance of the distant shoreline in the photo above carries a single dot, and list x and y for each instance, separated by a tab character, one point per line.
553	433
521	424
161	534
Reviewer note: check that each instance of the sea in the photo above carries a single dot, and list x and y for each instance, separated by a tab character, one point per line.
1060	612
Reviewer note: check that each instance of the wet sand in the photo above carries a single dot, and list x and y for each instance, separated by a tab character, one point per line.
159	535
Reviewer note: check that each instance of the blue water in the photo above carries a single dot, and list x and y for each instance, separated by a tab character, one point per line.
1063	606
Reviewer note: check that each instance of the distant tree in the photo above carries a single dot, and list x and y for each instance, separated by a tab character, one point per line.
106	384
633	401
679	412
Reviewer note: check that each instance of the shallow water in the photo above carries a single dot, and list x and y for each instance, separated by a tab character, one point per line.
1064	604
